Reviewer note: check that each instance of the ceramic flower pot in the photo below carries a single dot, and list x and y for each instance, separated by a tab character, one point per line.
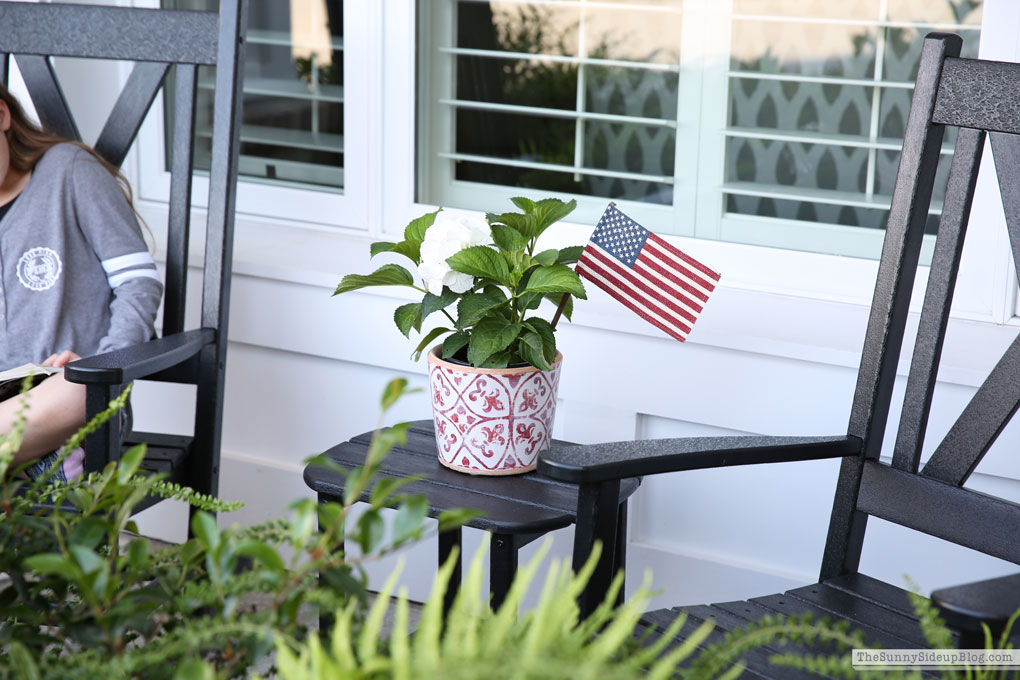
491	421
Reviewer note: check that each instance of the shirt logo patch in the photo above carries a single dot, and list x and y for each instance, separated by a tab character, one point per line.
39	268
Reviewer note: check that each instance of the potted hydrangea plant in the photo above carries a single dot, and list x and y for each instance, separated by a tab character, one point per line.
493	378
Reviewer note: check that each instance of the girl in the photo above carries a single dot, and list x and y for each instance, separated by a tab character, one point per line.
76	277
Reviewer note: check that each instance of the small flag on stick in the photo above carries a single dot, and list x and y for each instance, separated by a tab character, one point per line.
664	285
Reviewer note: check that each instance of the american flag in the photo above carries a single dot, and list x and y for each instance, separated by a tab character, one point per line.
664	285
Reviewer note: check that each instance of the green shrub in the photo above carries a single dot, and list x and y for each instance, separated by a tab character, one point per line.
82	601
84	597
548	641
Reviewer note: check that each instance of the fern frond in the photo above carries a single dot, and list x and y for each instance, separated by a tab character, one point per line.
174	491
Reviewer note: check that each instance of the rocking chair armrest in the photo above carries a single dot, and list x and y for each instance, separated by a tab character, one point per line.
619	460
138	361
991	602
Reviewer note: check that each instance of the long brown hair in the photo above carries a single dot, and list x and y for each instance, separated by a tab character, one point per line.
28	142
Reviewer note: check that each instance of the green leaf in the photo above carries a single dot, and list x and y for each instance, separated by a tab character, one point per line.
203	526
491	335
556	278
454	343
129	462
23	661
393	391
433	303
410	519
258	550
191	550
508	238
381	247
481	262
528	301
471	308
388	438
416	228
386	487
409	249
343	581
452	519
525	204
530	348
549	211
497	360
427	340
545	331
53	563
524	224
193	668
520	263
371	530
570	254
86	558
302	521
329	514
89	532
138	553
407	317
386	275
547	257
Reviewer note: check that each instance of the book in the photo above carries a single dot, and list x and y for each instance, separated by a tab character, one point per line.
11	379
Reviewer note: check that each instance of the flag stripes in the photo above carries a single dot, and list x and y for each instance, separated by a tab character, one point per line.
658	281
638	303
639	287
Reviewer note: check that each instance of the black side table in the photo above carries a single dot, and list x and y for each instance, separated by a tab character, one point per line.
517	509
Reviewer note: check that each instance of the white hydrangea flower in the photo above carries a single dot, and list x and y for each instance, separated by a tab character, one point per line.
444	239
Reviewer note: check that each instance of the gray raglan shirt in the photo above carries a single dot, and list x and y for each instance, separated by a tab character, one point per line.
76	272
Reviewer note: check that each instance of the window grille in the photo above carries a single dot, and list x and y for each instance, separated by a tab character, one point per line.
775	122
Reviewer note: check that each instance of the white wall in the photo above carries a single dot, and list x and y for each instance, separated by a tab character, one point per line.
770	355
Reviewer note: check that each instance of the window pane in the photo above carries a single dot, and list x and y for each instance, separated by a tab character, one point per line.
556	97
818	100
293	106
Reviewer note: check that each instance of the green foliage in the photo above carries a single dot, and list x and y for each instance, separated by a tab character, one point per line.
823	634
386	275
86	598
548	641
508	280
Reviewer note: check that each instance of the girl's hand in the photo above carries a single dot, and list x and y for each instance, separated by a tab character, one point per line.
62	359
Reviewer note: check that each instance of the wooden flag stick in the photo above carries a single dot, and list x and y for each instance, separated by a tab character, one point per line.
559	310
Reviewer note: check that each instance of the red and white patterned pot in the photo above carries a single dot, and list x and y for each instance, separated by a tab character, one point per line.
492	421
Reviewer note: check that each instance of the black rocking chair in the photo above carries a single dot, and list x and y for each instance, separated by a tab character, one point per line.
982	99
155	40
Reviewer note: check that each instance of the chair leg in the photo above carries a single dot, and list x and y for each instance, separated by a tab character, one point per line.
327	619
620	563
502	567
598	514
448	540
103	445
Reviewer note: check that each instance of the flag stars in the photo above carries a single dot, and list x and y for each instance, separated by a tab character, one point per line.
620	236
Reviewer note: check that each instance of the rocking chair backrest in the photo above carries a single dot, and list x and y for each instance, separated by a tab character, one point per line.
982	98
156	40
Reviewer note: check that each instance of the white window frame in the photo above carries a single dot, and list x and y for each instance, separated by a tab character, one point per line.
766	267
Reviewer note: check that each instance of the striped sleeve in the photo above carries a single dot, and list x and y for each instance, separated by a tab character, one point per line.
111	228
123	268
